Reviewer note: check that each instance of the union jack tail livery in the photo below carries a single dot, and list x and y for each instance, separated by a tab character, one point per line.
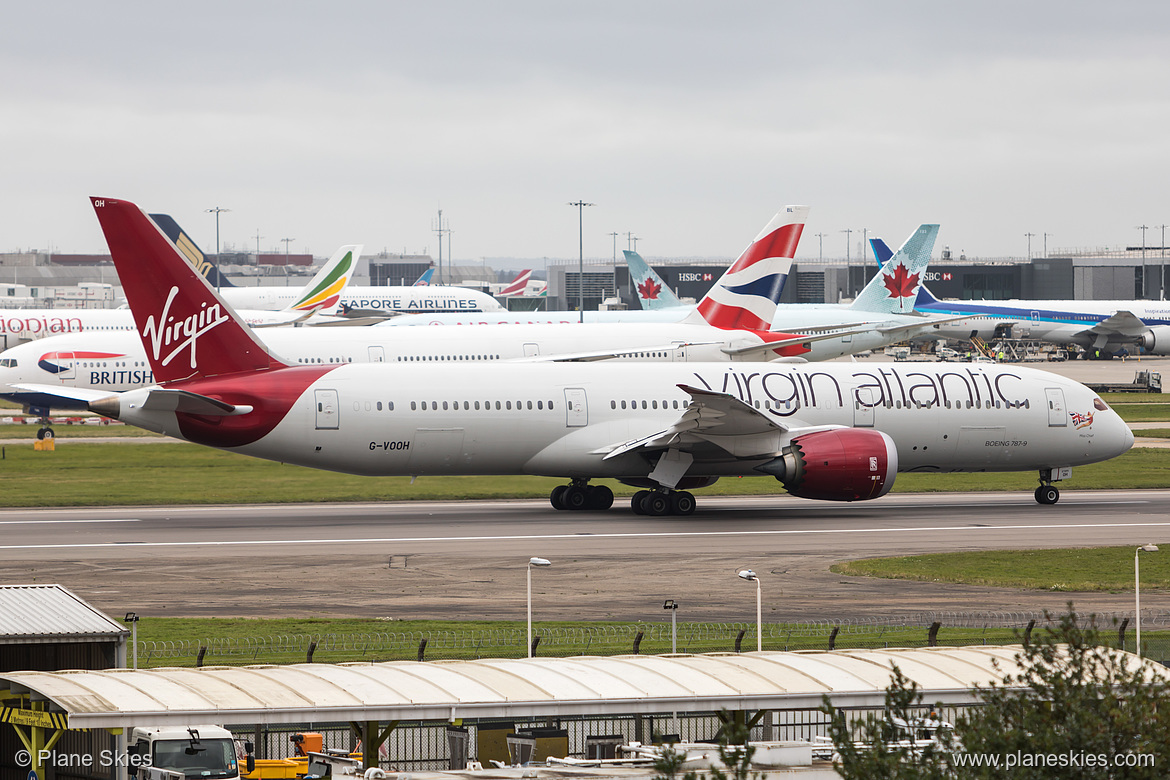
517	286
189	332
745	297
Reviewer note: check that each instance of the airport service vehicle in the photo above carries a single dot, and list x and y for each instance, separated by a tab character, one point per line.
204	752
829	431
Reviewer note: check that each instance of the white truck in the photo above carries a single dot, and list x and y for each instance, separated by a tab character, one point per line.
188	752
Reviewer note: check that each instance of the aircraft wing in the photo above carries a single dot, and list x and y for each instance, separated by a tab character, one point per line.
713	418
1120	323
923	324
608	354
794	339
65	393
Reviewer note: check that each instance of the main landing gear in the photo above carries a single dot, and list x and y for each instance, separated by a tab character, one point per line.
663	502
579	494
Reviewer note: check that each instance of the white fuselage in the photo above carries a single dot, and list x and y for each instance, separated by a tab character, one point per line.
392	300
18	326
117	361
562	419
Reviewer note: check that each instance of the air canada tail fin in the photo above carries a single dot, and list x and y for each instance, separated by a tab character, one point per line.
323	292
425	279
191	250
745	297
187	329
893	289
652	290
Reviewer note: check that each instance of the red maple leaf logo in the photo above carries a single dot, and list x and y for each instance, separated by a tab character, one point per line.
900	284
649	290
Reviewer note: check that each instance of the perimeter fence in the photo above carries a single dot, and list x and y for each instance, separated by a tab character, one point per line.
917	630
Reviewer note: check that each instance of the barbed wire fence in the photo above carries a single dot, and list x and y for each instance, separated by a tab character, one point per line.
916	630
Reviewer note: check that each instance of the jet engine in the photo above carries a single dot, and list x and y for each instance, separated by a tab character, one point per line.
1156	340
843	464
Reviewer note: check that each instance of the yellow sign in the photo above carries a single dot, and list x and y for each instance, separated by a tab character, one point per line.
45	720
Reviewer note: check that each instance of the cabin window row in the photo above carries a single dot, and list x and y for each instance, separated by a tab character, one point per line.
1025	404
469	406
314	361
651	404
432	358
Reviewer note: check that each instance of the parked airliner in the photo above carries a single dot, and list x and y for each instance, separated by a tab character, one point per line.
653	292
317	299
1101	328
833	431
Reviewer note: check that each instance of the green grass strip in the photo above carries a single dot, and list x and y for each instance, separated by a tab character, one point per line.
1102	569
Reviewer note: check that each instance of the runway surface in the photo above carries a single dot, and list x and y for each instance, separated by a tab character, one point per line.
466	560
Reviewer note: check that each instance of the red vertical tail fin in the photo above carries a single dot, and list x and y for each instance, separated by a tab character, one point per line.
187	329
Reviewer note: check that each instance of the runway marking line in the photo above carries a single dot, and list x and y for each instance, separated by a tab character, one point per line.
576	536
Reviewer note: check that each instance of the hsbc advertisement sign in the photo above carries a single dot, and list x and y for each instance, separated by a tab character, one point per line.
937	276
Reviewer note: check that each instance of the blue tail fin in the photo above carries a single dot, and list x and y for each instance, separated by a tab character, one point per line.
190	250
881	252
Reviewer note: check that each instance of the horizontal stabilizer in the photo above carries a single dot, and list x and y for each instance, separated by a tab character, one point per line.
82	394
190	403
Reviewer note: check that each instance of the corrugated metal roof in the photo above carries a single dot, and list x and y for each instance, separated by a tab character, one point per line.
32	614
505	688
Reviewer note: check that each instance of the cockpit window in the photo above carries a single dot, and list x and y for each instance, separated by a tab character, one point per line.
7	362
1099	405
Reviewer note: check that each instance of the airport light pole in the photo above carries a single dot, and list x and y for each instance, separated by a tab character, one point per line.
533	562
1029	237
750	576
672	605
132	619
580	204
217	211
1137	603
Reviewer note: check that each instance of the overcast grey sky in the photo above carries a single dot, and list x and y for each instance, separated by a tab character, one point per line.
687	123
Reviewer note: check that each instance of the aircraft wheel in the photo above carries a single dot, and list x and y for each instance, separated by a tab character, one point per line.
682	503
636	502
1047	494
600	497
45	433
574	498
656	504
556	497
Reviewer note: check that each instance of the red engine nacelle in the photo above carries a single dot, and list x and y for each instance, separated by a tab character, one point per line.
844	464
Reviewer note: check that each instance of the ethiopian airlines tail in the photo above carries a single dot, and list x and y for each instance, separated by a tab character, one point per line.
188	330
894	288
323	292
747	293
652	290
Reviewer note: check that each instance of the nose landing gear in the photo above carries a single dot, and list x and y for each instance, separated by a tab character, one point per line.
1048	493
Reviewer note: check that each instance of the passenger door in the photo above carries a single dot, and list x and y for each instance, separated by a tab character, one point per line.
327	409
576	408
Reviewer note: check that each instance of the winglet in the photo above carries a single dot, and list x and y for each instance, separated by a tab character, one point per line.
745	297
187	329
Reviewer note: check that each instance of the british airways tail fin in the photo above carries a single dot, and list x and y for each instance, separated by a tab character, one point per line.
881	252
191	250
747	293
323	292
187	329
652	290
894	288
425	279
